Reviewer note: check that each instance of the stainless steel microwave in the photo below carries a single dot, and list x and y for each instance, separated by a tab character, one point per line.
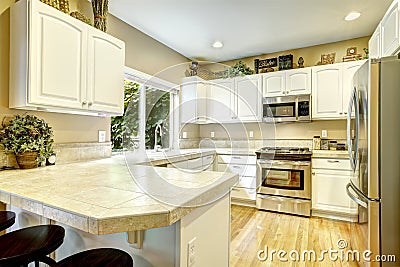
287	108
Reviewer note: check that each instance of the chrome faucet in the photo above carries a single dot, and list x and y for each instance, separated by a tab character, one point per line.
157	130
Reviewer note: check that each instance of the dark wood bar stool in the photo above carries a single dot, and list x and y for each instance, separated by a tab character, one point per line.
7	218
31	244
100	257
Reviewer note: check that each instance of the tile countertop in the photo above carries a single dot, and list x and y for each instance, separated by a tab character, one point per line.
101	197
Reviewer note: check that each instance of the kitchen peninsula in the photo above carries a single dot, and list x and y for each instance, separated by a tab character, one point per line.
104	203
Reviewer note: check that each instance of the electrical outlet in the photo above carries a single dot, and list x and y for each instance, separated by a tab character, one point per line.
184	135
191	252
102	136
324	134
251	134
212	134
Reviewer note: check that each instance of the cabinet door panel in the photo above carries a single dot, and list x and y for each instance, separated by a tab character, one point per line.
106	72
329	193
274	84
390	30
219	100
298	81
327	91
249	98
374	44
348	72
58	59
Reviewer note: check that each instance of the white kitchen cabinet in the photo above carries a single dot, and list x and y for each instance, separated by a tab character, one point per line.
248	98
274	84
244	192
106	62
289	82
51	57
390	30
298	81
220	102
331	89
327	91
329	198
193	108
374	43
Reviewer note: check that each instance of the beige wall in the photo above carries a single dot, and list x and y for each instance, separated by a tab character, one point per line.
142	53
312	54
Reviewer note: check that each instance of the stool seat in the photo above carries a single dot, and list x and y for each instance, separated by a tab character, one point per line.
100	257
7	218
30	244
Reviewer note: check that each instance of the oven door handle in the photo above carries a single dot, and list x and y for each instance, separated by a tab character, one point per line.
277	162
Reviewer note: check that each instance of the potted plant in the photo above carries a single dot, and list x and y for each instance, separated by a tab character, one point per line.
30	138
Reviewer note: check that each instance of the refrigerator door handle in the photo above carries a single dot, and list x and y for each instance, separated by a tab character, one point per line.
353	197
353	102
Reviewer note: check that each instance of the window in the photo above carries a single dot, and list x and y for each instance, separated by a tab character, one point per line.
148	106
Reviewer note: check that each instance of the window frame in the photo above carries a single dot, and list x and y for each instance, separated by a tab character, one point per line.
146	80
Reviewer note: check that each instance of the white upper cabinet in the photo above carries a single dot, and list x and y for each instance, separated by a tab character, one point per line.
248	99
331	89
390	30
61	64
220	102
327	91
298	81
193	108
274	84
289	82
106	62
374	44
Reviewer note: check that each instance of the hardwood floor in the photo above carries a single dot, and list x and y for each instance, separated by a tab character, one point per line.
252	230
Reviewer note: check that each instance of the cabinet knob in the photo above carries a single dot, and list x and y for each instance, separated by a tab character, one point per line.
90	103
84	102
340	113
313	173
345	113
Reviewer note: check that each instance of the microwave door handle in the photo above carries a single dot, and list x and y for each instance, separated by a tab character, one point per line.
355	198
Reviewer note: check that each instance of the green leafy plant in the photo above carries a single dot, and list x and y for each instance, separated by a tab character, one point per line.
27	133
239	69
125	129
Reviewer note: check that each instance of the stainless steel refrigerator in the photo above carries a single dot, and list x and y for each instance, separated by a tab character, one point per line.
373	133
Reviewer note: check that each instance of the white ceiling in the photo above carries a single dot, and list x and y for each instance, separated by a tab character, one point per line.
247	27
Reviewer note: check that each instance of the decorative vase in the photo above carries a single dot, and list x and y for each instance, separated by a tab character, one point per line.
27	160
100	12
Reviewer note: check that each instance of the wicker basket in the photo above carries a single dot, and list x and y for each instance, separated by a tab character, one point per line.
53	3
81	17
27	160
64	6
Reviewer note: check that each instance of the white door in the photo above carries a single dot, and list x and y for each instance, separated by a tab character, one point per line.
390	30
327	91
220	107
273	84
106	61
57	58
298	81
374	44
349	68
248	95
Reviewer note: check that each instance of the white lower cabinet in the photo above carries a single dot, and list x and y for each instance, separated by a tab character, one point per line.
244	192
329	198
205	163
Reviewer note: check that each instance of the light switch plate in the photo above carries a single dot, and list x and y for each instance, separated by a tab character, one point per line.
251	134
191	255
212	134
184	135
102	136
324	134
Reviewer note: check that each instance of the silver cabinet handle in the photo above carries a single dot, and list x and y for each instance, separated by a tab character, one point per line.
333	161
236	167
235	189
236	157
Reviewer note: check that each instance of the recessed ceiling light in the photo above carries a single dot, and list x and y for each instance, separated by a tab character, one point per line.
218	44
352	16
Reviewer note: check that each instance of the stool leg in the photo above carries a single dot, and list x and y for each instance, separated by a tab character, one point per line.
36	263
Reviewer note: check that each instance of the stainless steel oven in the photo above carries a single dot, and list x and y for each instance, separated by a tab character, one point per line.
284	181
287	108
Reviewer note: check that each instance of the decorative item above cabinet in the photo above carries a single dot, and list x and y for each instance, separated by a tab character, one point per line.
60	64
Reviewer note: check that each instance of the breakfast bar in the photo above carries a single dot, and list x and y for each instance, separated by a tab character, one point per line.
109	203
